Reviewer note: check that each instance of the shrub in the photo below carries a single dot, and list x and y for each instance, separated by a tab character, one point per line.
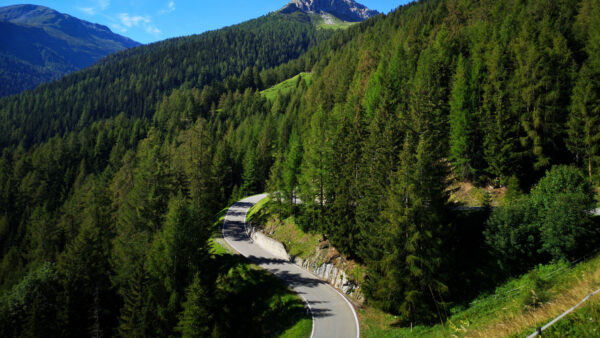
513	236
561	180
552	222
562	200
567	230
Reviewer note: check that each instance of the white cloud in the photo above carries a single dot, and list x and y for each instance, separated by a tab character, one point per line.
153	30
88	10
98	5
103	4
128	21
133	21
170	8
119	28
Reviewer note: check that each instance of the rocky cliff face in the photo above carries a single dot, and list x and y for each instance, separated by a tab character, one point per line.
347	10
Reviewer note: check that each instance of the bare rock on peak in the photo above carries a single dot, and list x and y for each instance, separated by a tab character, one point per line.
347	10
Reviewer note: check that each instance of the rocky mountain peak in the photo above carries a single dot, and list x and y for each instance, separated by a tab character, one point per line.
347	10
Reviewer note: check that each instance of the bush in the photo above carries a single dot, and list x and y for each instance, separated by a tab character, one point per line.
561	180
567	229
563	199
552	222
513	236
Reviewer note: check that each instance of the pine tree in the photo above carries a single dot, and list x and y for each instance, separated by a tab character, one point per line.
583	125
462	122
541	85
249	174
316	168
134	321
90	299
584	131
291	169
378	163
502	150
178	252
197	319
342	190
414	231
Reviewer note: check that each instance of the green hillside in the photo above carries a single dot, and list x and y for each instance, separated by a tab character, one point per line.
134	81
287	86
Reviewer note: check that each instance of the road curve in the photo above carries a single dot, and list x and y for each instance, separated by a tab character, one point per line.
333	315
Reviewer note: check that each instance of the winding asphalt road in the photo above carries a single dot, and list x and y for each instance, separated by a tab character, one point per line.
333	315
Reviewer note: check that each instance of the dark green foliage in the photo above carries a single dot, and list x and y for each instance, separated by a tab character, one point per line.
514	236
90	300
291	169
561	180
478	87
563	200
568	232
249	176
135	81
414	233
462	122
31	309
178	251
554	221
197	317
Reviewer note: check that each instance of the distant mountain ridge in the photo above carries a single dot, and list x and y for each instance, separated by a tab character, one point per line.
347	10
39	44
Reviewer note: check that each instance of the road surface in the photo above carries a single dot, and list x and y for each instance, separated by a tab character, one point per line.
333	315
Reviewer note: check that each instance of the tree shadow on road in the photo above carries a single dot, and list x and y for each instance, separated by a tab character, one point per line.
250	302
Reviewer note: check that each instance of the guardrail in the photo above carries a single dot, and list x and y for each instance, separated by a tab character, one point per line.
539	330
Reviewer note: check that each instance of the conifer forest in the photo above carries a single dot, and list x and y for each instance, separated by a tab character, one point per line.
111	177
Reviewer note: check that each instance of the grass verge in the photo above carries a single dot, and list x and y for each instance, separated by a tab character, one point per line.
514	310
297	242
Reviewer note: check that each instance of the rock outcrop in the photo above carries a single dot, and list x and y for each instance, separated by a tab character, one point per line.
325	263
347	10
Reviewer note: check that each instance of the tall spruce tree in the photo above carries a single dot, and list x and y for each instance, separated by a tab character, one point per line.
583	125
291	169
462	122
315	170
415	218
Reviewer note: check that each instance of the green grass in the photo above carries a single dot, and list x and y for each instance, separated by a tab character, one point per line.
302	329
335	23
297	242
516	307
286	86
584	322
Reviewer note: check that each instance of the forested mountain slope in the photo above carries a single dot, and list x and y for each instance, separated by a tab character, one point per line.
488	91
86	190
496	92
38	44
134	81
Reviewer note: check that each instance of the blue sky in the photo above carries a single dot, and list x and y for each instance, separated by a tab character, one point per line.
149	21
